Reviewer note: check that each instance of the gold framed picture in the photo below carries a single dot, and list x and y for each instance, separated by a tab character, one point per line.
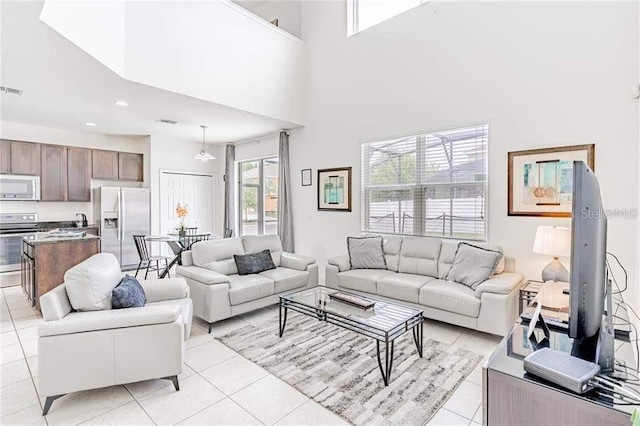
540	181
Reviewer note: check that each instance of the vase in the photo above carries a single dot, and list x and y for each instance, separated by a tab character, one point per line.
182	233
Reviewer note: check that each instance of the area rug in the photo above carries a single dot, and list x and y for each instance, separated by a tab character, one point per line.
339	370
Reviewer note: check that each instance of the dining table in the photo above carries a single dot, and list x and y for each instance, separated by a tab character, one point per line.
177	245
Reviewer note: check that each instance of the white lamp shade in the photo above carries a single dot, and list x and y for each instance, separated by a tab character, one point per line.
553	241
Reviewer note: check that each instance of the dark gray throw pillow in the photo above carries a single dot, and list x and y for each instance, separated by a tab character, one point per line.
254	263
366	253
473	265
128	294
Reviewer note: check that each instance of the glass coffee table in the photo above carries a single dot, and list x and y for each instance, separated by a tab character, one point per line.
384	322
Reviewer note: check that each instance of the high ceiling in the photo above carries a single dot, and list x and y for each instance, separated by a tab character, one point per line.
64	87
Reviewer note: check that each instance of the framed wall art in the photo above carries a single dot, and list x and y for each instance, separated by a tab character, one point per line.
540	181
306	177
334	189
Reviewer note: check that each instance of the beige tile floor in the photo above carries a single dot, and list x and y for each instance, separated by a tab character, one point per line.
218	386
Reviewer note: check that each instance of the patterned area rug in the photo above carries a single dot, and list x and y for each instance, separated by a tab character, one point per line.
339	370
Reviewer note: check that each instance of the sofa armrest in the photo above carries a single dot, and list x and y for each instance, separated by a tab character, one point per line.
157	290
81	322
186	258
342	262
296	261
503	283
202	275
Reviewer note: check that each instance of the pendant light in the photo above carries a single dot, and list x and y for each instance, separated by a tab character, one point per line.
203	154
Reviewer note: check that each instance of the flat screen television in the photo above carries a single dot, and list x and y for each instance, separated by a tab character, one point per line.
588	277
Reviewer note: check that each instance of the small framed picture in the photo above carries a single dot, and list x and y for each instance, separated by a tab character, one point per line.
306	177
334	189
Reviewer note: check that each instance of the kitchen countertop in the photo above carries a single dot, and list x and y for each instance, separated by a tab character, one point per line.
42	238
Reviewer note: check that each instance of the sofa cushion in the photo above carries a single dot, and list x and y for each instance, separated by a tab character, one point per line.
187	311
257	243
217	255
366	253
419	255
473	265
448	255
254	263
392	246
245	288
362	279
286	279
450	297
402	286
128	294
89	284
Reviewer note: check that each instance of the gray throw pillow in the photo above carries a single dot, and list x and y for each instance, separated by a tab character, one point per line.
366	253
254	263
128	294
473	265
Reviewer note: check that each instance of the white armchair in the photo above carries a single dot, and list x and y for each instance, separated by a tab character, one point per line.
87	350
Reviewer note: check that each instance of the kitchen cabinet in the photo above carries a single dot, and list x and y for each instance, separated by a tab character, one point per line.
53	178
45	261
105	164
130	166
25	158
5	156
78	174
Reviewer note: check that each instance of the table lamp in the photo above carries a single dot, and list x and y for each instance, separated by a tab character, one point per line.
554	241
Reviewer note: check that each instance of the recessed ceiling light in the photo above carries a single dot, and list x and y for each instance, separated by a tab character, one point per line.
90	124
121	103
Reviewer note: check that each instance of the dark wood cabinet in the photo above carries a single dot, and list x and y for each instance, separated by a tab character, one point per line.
25	158
53	179
78	174
5	156
105	164
130	166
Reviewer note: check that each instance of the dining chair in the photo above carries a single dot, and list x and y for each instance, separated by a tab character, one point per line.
189	231
189	240
228	232
147	261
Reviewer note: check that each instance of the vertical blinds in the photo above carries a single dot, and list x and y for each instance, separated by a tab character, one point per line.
431	184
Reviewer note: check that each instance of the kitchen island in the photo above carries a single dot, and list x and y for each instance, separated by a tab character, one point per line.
45	260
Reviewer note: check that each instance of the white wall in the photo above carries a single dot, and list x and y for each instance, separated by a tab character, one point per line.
543	74
55	211
176	155
287	12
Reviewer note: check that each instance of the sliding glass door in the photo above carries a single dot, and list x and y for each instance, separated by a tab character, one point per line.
258	196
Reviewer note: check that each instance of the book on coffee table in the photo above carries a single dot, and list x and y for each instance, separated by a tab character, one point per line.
353	300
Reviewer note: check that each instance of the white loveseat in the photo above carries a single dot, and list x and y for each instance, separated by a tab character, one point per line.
218	292
80	350
415	275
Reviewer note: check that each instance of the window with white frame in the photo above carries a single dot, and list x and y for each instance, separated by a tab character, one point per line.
430	184
258	196
362	14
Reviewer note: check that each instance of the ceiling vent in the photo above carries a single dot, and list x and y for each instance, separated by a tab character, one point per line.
10	90
166	121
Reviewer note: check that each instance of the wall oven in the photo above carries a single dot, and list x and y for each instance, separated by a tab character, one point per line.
19	188
13	228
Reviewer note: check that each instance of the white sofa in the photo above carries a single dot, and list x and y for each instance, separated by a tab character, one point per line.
416	268
87	350
218	292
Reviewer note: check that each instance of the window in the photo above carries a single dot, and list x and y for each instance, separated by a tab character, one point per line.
363	14
432	184
258	196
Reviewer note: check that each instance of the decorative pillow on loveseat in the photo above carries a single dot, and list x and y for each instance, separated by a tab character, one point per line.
473	265
254	263
366	253
128	294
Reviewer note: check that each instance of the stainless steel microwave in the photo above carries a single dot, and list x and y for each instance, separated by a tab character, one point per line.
19	188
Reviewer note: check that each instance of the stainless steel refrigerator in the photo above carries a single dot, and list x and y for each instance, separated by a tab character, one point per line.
122	213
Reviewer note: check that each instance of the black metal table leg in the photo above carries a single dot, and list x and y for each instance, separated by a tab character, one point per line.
417	337
282	319
166	270
388	360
